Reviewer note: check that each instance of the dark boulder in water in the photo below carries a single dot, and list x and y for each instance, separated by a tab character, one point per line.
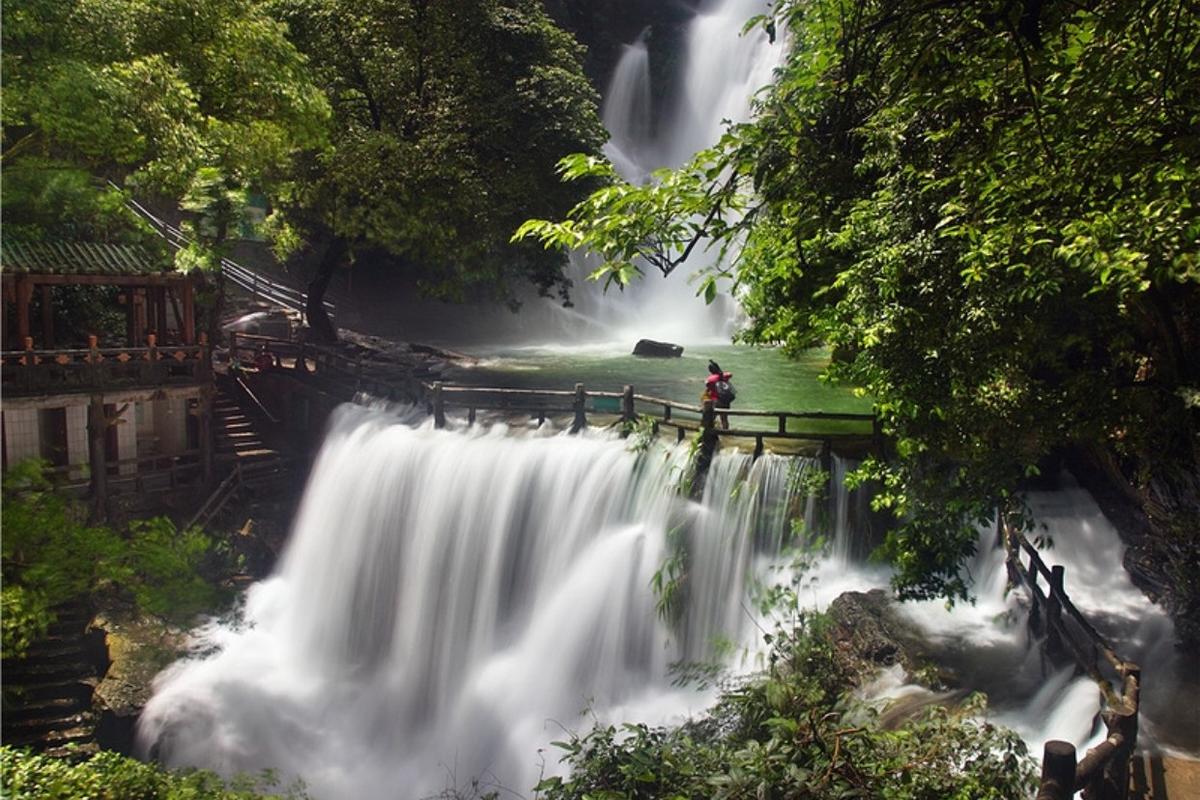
652	349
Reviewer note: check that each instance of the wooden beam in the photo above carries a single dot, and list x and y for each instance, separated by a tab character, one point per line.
188	323
47	318
151	279
24	296
160	309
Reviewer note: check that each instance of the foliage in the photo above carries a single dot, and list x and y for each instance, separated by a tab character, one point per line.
51	556
448	120
790	733
989	211
110	776
154	95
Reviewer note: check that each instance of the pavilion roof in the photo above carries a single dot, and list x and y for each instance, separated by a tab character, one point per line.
80	258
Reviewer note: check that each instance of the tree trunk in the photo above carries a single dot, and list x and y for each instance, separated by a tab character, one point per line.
319	325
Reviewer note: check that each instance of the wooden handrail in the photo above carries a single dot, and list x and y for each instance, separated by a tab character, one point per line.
1104	772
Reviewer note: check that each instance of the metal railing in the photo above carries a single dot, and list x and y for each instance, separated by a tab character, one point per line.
270	290
1103	774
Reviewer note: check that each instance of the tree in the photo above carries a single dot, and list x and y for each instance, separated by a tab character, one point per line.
989	209
175	99
448	120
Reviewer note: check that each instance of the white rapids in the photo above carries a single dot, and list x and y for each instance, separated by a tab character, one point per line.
449	602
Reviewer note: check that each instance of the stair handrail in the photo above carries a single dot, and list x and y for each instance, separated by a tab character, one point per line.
1104	771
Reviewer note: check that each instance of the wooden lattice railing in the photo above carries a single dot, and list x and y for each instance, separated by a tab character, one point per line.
31	371
1103	774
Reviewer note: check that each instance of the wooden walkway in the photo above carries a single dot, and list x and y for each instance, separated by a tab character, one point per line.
628	406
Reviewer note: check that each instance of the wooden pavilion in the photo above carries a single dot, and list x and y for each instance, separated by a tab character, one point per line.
111	411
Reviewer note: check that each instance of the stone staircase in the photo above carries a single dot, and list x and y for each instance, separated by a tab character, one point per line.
238	426
48	693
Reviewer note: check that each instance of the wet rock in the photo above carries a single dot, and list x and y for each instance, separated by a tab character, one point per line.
139	647
868	634
652	349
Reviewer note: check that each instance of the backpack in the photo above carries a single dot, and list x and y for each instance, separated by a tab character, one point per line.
725	392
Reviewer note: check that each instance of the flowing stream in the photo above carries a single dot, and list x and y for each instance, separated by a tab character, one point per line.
450	601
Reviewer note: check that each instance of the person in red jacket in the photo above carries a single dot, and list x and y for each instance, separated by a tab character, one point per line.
717	387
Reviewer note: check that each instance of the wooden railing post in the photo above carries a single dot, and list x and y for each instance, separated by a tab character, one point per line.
1054	608
439	410
97	430
580	409
627	408
708	417
1058	771
152	343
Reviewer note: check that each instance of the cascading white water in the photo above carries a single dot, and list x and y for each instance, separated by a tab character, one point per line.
448	600
721	71
445	596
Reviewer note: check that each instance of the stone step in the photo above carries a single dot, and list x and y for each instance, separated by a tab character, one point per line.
34	692
44	709
53	647
50	671
77	734
34	728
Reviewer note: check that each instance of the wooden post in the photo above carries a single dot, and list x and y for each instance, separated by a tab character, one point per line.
708	417
47	318
1054	608
1058	771
758	445
189	314
439	409
783	423
160	311
204	423
152	343
627	409
580	411
24	297
138	300
97	431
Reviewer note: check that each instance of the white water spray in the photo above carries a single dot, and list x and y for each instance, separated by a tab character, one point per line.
449	600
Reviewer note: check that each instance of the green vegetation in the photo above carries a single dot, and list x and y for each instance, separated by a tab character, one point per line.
162	97
989	210
448	119
793	732
109	776
51	556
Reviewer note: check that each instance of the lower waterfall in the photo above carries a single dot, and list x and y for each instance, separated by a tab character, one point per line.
450	602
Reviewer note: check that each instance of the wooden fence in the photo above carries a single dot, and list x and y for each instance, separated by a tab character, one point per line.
31	371
628	406
1103	774
321	361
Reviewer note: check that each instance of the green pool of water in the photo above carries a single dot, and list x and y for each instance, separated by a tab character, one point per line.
765	379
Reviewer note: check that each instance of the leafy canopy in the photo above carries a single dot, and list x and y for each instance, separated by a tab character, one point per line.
989	210
448	120
152	95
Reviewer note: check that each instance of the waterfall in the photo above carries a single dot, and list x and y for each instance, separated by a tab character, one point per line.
447	599
450	600
721	71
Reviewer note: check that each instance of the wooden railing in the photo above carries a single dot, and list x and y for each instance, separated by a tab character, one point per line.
307	358
244	475
140	475
1103	774
31	371
629	405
